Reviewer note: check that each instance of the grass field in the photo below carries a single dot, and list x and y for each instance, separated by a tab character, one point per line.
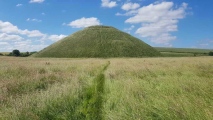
111	89
4	53
182	52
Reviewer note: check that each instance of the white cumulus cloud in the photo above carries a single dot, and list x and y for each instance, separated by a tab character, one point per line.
33	20
84	22
5	37
57	37
158	21
19	5
130	6
108	3
129	29
36	1
11	37
32	33
7	27
128	13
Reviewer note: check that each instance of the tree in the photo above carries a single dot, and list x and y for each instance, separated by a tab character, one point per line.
16	53
25	54
211	53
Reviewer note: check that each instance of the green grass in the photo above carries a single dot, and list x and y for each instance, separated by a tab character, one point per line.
93	97
98	42
182	52
178	54
44	91
111	89
160	88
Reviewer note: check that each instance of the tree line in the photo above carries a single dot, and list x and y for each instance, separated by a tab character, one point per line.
17	53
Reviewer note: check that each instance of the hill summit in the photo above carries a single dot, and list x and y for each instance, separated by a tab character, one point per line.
99	41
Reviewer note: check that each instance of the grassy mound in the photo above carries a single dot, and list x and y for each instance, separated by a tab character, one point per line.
99	41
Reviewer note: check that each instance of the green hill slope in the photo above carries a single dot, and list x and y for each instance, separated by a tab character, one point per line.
99	41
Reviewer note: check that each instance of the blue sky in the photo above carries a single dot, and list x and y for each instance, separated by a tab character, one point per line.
31	25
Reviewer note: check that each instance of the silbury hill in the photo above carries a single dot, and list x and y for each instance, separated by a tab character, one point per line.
99	41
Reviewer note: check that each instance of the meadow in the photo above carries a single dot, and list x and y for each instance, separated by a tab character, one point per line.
182	52
111	89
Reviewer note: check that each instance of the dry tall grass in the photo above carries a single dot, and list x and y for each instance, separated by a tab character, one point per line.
28	85
160	88
136	88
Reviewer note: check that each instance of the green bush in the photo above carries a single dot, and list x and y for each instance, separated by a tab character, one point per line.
25	54
10	54
211	53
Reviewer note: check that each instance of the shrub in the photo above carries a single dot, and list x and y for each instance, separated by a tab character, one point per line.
211	53
25	54
10	54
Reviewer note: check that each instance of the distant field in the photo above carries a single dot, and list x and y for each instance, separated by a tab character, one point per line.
182	52
112	89
5	53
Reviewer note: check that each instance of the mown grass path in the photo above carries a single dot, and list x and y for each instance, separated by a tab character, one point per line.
93	97
88	105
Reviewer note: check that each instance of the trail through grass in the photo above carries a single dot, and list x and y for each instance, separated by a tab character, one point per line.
46	91
87	105
94	89
94	95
